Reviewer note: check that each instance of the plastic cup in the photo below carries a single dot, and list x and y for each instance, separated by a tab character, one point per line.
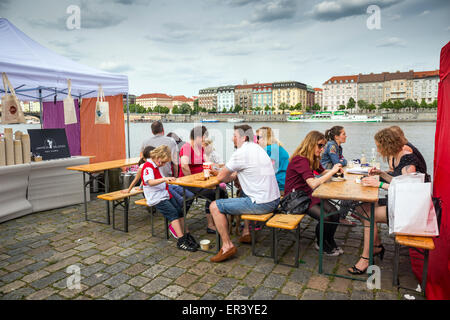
204	244
207	169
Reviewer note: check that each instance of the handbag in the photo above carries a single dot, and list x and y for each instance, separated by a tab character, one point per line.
296	202
11	109
101	108
70	115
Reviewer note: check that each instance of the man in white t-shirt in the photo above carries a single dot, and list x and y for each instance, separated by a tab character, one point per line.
254	169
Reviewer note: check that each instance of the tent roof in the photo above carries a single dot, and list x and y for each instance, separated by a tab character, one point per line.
30	65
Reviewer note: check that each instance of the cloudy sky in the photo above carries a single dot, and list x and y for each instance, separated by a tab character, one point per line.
178	47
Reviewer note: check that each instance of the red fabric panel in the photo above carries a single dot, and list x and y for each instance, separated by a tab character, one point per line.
438	282
105	142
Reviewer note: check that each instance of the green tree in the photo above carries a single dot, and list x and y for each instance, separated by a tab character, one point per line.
283	106
423	104
397	105
351	104
185	108
237	108
341	107
298	106
175	110
363	105
409	104
372	107
267	108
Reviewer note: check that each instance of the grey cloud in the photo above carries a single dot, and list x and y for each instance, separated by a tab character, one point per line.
334	10
115	67
132	2
239	3
4	4
391	42
274	10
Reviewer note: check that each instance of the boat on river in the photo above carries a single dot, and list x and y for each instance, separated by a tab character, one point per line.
209	120
337	116
235	120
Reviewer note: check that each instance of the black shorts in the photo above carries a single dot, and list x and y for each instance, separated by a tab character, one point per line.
384	202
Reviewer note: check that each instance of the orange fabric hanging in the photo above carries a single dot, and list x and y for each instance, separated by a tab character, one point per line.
105	142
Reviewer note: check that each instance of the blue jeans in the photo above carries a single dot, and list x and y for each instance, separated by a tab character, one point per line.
177	193
243	205
170	209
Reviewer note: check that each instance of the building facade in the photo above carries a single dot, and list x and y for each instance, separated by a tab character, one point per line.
154	99
225	98
262	95
398	86
338	90
290	93
179	100
371	87
309	96
425	86
243	96
207	98
318	96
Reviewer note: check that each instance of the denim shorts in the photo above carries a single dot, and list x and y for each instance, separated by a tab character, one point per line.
170	209
238	206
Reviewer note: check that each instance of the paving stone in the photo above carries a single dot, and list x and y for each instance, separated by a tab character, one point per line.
41	294
120	292
240	293
310	294
300	276
48	280
10	277
18	294
170	261
135	269
72	293
117	267
224	286
211	296
263	293
186	279
199	288
361	295
137	296
340	285
292	288
172	291
159	297
254	279
12	286
187	296
274	281
117	280
330	295
156	285
154	271
318	282
19	265
98	291
173	272
95	279
201	268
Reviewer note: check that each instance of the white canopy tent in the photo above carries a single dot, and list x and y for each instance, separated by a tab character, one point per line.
38	74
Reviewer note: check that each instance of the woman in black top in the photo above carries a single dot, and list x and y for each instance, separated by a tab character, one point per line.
389	144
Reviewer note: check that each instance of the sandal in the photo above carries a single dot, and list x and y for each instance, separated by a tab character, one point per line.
355	270
380	253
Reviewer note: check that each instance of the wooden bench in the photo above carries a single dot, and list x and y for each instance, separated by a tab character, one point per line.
423	245
118	198
253	218
287	222
143	202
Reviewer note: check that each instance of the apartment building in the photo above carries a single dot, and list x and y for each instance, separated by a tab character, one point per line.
318	96
310	93
207	98
338	90
154	99
179	100
398	86
289	92
243	95
425	86
225	98
262	95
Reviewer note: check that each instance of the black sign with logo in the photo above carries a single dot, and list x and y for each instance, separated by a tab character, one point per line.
49	143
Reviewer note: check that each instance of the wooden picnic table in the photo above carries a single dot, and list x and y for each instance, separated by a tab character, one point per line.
348	189
90	169
197	181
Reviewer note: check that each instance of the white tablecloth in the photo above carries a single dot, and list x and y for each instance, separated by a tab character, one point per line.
40	186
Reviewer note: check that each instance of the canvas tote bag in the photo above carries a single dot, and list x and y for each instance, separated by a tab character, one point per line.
11	109
101	108
70	114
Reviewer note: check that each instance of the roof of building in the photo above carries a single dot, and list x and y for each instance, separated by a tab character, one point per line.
244	86
399	75
154	95
426	74
372	77
343	78
318	89
181	98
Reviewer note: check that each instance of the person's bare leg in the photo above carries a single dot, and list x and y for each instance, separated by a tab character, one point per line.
177	225
246	229
210	221
221	223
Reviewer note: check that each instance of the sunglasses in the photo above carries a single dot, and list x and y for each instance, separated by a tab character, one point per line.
320	145
258	137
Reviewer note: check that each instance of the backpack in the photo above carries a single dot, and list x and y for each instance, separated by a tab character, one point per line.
296	202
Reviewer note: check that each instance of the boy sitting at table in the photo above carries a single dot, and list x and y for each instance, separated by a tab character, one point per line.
157	194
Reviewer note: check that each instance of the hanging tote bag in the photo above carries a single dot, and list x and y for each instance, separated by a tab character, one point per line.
101	108
70	114
11	109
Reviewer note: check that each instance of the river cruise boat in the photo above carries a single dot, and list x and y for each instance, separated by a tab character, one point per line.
337	116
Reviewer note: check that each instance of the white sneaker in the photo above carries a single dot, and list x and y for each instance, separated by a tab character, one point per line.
334	253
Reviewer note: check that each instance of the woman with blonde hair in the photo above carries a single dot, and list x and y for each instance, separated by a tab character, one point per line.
389	145
300	176
279	156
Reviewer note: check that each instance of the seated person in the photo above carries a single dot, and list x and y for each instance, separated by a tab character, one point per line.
260	195
300	176
157	194
389	144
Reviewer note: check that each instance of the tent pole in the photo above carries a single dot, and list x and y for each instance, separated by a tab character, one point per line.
40	107
128	125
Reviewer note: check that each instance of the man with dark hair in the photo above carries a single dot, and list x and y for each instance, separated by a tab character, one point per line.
260	193
171	168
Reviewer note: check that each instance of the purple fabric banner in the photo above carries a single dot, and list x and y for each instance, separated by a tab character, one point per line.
53	118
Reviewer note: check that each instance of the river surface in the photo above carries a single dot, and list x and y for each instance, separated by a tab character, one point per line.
359	135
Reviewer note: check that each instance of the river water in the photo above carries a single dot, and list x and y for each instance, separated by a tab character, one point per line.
359	135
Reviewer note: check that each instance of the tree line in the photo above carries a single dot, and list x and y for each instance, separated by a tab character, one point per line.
397	105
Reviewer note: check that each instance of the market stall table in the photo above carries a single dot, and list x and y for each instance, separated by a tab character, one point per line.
348	189
197	181
90	169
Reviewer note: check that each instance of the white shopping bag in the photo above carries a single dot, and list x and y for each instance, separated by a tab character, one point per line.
406	178
101	108
11	109
70	114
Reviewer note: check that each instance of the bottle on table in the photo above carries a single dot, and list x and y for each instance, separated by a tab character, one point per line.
363	158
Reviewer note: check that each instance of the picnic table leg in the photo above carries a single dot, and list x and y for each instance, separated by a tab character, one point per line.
84	196
107	191
184	209
321	237
217	231
125	216
372	224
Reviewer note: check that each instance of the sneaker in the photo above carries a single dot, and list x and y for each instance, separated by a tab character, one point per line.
333	253
185	244
192	240
172	232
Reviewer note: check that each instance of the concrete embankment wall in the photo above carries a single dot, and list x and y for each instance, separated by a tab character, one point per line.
387	117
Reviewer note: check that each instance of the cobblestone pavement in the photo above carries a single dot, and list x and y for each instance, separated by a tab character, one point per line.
38	252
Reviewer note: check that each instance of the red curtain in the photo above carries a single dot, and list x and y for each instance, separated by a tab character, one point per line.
105	142
438	282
